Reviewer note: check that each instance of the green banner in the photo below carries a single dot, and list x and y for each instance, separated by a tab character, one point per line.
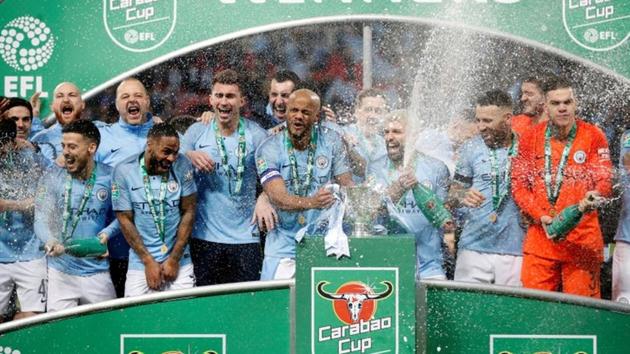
95	43
247	322
462	318
362	304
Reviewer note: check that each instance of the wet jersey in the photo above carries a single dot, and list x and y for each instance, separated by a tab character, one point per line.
272	161
521	124
96	217
223	214
369	148
19	174
128	194
481	231
588	168
119	141
408	218
623	230
49	142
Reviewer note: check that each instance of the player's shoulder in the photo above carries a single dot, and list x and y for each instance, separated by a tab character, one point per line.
104	169
44	135
590	128
127	165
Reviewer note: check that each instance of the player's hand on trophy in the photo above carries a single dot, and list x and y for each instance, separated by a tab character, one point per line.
170	268
201	160
153	273
264	214
473	198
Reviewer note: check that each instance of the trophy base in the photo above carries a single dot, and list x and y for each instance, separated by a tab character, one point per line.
361	230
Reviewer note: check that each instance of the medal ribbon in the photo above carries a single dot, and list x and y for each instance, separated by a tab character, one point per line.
4	216
240	156
552	194
301	190
159	220
497	195
67	211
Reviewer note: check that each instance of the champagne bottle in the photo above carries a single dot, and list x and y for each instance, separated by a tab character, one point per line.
564	222
432	208
89	247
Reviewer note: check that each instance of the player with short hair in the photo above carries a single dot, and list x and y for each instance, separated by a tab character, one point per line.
532	101
294	167
22	263
560	163
490	245
67	105
223	247
390	172
74	203
154	197
21	112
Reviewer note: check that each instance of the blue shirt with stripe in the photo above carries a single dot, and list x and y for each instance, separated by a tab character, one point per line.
479	233
433	174
222	217
97	217
128	194
49	141
272	161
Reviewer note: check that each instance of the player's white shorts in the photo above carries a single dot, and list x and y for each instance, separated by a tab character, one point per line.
136	283
621	273
488	268
29	278
277	268
66	291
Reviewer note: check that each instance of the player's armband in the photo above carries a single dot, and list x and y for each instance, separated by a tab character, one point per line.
268	175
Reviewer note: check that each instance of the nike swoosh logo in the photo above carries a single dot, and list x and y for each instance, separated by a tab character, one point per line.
114	150
136	188
204	146
285	166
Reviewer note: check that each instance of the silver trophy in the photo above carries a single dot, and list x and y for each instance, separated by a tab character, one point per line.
363	204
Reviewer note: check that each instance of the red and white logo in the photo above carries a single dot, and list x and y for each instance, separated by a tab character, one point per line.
354	301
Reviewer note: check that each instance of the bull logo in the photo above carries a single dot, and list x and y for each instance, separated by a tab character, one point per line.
597	25
354	301
139	26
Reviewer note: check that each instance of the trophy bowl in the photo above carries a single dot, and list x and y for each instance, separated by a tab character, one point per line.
363	204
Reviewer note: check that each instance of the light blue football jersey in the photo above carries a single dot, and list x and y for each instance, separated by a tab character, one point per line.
408	218
19	176
224	216
120	141
623	229
49	142
128	194
272	161
480	233
96	217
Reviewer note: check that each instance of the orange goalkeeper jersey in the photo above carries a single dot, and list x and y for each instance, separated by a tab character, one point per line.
588	168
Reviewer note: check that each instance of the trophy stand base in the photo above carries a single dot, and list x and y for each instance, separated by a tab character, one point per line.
361	230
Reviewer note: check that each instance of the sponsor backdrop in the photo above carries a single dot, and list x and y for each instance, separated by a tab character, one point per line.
476	321
95	43
362	304
250	322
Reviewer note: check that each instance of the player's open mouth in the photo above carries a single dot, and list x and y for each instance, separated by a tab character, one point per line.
70	161
67	109
133	110
225	111
281	109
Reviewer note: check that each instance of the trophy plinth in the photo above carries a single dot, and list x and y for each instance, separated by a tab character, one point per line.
363	205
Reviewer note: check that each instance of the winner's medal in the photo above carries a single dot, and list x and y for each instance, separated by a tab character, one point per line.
498	195
301	219
158	216
493	217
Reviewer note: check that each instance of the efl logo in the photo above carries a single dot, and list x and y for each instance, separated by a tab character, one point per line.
597	25
354	310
